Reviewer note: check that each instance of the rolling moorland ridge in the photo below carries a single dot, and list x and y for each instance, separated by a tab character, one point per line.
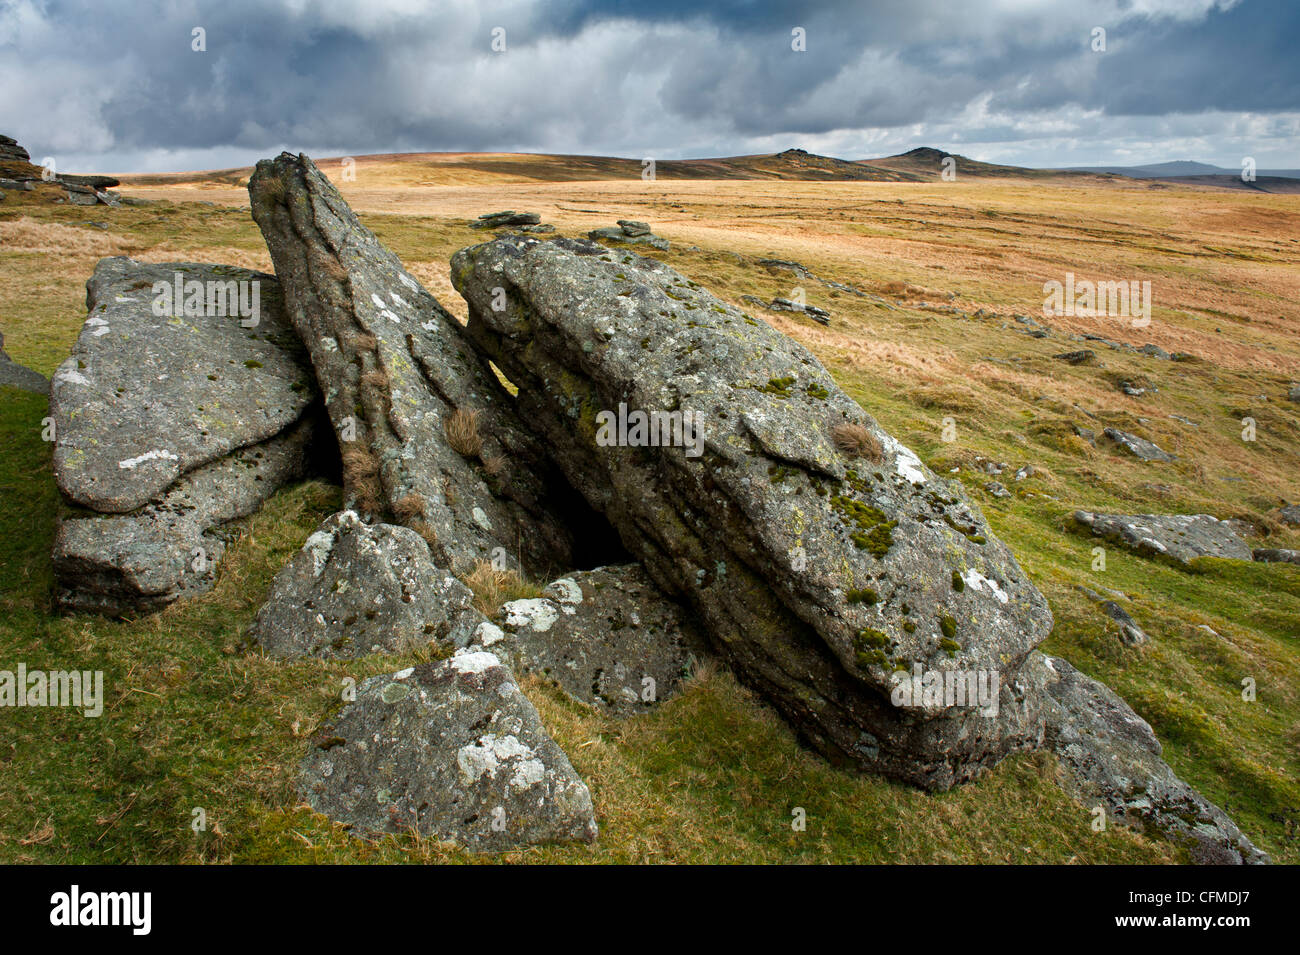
1059	496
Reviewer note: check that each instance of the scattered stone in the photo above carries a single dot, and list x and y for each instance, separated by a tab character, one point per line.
1294	393
1087	434
145	398
452	751
1112	755
14	375
996	489
1138	447
499	220
1129	632
812	311
633	233
1187	421
1182	537
1025	472
1076	357
607	637
397	371
815	576
358	588
1155	351
1276	554
1290	514
1132	390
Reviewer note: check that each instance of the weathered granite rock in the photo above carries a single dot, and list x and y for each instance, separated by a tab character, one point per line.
1290	515
355	589
117	564
1276	555
1182	537
498	220
1080	357
630	232
1138	447
812	311
395	368
1112	756
1129	632
608	637
10	151
453	751
14	375
815	575
145	398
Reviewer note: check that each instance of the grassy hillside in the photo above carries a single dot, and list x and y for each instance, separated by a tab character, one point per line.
713	776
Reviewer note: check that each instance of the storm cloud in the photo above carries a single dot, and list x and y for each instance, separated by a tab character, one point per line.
120	87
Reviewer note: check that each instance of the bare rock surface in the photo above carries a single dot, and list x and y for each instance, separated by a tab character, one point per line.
818	576
145	398
607	637
1181	537
356	588
117	564
395	368
1138	447
1112	756
453	751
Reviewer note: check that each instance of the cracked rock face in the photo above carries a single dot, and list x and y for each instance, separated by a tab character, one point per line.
1113	756
145	398
395	367
171	425
607	637
818	576
451	750
1180	537
170	548
356	589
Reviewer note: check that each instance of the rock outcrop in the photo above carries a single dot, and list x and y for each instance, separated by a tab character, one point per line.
1180	537
1275	555
14	375
1140	448
819	576
452	751
607	637
630	232
359	588
429	438
509	219
168	426
1112	756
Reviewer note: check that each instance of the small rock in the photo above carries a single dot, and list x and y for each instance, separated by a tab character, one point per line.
1129	632
996	489
452	750
1182	537
1290	515
508	217
1076	357
1277	554
1138	447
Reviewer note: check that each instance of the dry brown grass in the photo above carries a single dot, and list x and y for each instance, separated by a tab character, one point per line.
493	587
50	238
461	427
856	441
408	507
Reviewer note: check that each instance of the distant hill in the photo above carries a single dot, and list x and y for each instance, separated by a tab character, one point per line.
1180	169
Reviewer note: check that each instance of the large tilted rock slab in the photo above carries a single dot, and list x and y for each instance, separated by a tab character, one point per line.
607	637
146	397
453	751
818	576
1180	537
356	588
1113	757
121	563
395	366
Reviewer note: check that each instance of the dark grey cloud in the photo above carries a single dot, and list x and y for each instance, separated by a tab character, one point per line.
118	86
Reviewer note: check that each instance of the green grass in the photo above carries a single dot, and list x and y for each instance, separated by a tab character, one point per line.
714	776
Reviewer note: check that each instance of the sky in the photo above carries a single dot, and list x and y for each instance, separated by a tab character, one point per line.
119	86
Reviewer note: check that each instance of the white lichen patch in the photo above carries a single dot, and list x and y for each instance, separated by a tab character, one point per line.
488	633
536	613
481	518
158	455
975	580
565	591
473	661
